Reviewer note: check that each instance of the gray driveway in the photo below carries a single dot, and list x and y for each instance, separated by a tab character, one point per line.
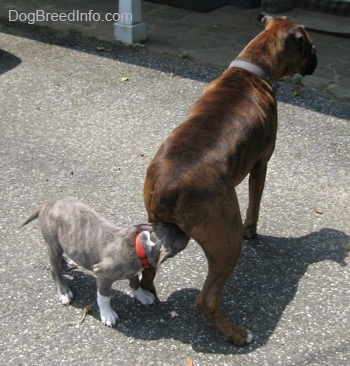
79	122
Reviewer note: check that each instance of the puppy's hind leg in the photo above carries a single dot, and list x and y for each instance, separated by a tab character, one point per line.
108	316
55	253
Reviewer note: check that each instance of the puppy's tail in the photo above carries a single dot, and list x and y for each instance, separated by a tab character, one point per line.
32	217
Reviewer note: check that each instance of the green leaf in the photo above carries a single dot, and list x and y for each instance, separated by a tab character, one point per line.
103	49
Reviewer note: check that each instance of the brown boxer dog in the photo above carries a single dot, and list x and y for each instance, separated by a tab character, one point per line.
229	132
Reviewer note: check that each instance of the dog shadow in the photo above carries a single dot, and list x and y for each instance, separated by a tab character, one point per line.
8	61
262	286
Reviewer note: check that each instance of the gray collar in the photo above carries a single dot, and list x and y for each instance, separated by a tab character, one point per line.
245	65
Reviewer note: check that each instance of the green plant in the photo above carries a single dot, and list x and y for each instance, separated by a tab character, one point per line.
72	30
185	56
296	79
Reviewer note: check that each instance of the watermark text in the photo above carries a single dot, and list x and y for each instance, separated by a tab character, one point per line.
38	16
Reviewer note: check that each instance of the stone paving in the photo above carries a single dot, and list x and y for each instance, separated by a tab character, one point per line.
218	36
215	37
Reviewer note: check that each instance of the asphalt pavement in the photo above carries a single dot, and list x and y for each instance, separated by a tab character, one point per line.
84	117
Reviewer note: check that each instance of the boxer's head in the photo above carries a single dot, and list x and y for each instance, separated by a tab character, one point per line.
292	45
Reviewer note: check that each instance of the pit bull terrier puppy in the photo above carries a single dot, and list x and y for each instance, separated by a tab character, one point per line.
230	132
69	227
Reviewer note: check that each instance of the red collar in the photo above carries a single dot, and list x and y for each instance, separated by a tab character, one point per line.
141	253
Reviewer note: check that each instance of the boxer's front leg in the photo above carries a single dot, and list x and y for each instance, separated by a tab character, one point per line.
256	187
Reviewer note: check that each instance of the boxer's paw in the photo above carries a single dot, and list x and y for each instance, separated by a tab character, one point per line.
241	336
249	232
144	297
250	337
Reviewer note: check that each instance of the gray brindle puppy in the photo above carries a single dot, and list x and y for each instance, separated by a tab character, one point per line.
70	227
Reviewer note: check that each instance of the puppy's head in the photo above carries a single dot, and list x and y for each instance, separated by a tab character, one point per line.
168	239
151	249
156	251
160	241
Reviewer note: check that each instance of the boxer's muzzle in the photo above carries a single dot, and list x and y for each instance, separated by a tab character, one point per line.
311	63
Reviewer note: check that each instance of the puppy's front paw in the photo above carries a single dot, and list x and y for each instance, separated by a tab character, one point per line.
109	317
145	297
66	298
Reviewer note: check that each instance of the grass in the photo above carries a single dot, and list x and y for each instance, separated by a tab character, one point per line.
72	30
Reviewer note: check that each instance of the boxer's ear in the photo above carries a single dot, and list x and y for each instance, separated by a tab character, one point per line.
266	19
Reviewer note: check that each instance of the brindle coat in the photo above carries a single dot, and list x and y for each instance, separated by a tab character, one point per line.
230	132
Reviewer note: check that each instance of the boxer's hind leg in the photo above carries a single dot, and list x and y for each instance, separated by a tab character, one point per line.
220	235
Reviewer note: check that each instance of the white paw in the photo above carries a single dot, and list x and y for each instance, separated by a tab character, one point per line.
66	298
108	316
250	337
145	297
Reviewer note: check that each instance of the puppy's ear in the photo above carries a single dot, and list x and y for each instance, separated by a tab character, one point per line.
147	243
